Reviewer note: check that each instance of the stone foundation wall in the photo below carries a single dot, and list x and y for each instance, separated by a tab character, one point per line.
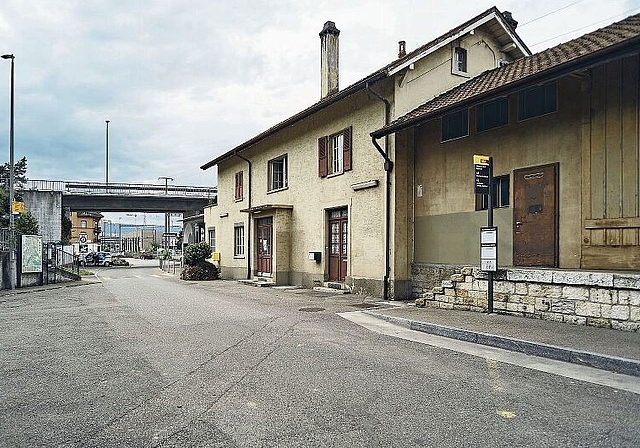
603	299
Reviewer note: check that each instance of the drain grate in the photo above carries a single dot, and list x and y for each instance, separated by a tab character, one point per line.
311	309
364	305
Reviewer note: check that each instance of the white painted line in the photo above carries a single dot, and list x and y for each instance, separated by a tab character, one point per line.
582	373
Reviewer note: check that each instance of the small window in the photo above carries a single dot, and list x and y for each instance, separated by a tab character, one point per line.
492	114
238	240
337	153
238	186
334	153
212	239
459	60
83	223
500	194
455	125
538	100
278	173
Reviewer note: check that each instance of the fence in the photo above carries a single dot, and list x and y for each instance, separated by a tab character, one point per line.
58	265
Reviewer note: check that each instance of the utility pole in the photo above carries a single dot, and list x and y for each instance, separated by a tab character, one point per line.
165	240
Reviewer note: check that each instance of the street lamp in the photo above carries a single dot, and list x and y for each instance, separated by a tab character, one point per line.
106	165
165	240
11	182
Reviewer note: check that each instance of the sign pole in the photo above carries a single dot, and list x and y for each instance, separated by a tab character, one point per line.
483	184
490	224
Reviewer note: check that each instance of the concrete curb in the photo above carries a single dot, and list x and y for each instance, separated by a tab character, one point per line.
595	360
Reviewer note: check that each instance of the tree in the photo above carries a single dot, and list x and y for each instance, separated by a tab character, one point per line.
196	253
19	174
197	267
66	229
27	224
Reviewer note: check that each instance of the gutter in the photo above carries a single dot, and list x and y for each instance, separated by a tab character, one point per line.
248	236
388	166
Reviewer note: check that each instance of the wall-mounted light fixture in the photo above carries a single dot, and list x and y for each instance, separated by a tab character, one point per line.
224	215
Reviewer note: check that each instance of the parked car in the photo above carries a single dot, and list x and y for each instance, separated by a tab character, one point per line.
96	259
146	256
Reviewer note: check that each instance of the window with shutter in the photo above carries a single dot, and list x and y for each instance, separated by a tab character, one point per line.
346	140
322	156
238	190
335	153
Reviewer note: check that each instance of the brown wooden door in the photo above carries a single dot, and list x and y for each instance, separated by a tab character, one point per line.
264	235
338	244
535	216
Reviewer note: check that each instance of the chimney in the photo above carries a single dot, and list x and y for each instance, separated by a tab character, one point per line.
508	17
328	59
402	49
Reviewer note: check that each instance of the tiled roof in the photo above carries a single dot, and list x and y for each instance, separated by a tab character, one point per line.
555	60
355	87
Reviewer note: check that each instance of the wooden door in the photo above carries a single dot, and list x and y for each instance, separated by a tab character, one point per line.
338	244
535	216
264	236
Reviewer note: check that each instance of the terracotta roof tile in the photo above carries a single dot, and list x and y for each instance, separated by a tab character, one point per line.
597	42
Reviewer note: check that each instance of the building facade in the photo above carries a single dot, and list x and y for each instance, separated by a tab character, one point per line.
562	129
313	200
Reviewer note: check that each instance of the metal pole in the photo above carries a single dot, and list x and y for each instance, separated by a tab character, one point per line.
106	171
165	240
12	247
490	224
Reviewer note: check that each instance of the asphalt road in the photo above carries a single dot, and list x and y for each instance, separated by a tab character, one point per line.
144	359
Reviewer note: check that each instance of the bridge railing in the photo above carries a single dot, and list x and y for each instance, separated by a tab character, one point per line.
120	189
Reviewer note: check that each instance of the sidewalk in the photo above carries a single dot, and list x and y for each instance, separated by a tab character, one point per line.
602	348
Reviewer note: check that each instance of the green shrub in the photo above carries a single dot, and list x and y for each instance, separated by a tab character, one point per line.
202	271
196	253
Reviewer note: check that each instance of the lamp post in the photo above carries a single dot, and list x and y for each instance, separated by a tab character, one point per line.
165	240
106	164
11	183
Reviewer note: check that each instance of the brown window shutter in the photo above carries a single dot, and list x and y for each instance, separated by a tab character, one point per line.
346	142
238	192
323	160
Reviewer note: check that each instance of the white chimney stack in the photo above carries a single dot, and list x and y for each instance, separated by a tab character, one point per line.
329	59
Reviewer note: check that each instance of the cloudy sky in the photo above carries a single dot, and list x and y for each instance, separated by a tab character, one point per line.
184	81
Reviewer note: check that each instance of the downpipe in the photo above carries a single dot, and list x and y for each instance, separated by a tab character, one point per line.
388	167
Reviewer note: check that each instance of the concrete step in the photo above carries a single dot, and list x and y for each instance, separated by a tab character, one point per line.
259	282
330	290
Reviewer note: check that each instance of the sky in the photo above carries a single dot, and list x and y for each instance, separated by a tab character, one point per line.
182	82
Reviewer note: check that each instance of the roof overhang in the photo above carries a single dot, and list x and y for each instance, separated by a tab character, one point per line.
515	41
322	104
266	208
588	61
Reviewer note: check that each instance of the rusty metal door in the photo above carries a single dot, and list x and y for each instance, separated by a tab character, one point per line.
264	233
535	216
338	239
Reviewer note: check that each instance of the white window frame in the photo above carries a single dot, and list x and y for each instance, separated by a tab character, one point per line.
275	176
212	241
336	163
238	240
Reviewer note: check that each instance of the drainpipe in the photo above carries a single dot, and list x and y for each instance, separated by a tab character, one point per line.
249	215
388	166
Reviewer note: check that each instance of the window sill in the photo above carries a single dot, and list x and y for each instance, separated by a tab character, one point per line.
335	174
460	73
277	190
238	200
238	257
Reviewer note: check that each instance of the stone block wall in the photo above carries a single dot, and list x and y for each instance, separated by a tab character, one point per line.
603	299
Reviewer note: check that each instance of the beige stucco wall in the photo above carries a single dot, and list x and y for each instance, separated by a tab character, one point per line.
446	223
434	74
310	196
